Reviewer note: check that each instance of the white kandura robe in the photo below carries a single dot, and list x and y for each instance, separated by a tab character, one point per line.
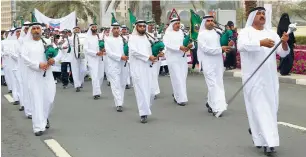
210	55
95	63
261	93
117	71
177	64
156	67
7	62
17	87
141	72
42	89
78	66
25	97
128	73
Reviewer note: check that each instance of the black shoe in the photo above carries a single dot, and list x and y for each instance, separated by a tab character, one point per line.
250	132
10	91
155	97
269	151
119	108
16	103
209	109
96	97
21	108
127	87
143	119
182	104
29	116
48	124
39	133
65	87
78	89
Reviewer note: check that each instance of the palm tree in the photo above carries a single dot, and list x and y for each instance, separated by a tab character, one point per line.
57	9
248	6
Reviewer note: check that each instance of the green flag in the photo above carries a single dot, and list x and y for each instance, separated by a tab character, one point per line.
15	24
132	19
95	19
33	17
161	28
21	20
195	23
113	18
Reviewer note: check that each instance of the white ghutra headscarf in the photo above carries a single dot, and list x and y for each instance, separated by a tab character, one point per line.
251	17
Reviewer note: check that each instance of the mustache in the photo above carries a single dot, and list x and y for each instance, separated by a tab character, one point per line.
262	18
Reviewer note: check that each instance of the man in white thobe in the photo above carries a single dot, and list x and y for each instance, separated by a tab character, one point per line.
140	57
156	65
210	55
17	80
25	97
126	36
7	59
116	60
177	63
95	60
42	91
261	94
77	62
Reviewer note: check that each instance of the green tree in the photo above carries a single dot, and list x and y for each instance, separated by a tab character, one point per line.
57	9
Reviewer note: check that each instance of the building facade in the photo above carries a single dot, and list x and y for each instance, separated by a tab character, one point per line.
6	15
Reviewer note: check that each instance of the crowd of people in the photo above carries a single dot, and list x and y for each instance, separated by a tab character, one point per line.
30	74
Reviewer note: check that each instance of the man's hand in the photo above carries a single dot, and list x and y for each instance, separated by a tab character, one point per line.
51	61
161	54
184	49
226	48
124	58
267	43
285	37
231	43
43	66
152	58
65	47
190	46
99	53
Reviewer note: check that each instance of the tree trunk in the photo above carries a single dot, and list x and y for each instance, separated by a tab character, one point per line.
248	6
156	11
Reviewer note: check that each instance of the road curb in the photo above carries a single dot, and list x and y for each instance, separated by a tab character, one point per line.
282	79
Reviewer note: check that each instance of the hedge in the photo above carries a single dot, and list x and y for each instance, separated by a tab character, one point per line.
300	40
299	64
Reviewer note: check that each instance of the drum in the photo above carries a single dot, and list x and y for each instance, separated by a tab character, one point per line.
78	47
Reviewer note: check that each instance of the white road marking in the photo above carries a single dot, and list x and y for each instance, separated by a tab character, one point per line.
292	126
58	150
9	98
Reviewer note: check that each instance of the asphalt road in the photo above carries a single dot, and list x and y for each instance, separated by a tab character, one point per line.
92	128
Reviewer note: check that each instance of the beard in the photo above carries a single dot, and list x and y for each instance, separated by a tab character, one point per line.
36	35
94	31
